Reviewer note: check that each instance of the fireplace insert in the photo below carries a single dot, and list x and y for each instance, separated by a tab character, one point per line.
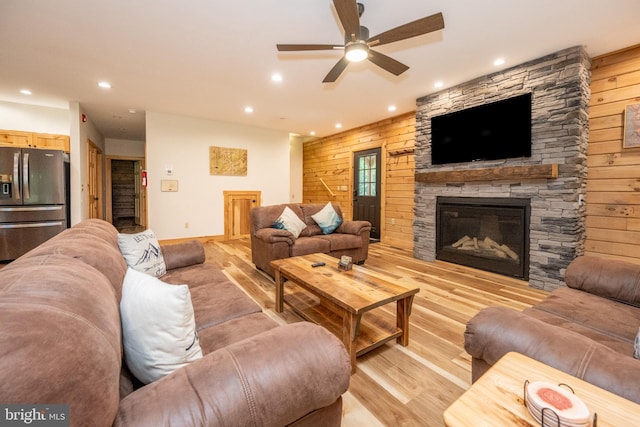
490	234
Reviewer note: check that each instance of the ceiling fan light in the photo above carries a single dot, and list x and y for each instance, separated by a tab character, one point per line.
356	52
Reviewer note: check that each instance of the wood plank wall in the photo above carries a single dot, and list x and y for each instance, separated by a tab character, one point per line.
330	159
613	180
123	189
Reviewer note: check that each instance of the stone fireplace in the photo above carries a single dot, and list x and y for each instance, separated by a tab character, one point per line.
486	233
553	179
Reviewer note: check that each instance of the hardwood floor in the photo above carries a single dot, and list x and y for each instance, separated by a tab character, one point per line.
395	385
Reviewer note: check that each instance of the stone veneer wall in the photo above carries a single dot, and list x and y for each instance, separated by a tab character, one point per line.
559	84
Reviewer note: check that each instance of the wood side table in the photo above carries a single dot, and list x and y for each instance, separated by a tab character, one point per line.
497	397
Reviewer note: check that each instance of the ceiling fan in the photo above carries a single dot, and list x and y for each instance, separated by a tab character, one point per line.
357	43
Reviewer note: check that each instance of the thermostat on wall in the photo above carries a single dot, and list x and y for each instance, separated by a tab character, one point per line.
170	185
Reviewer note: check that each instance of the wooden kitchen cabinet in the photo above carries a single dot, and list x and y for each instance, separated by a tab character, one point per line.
51	141
22	139
15	138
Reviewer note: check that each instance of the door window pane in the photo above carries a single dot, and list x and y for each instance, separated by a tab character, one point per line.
367	175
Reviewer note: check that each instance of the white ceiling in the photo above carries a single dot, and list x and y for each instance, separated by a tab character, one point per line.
211	58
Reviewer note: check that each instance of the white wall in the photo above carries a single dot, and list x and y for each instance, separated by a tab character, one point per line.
182	143
295	190
124	148
34	118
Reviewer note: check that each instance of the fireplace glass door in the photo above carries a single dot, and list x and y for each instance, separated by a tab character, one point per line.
486	233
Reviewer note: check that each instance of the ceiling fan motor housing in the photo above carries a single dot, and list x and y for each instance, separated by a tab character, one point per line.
363	36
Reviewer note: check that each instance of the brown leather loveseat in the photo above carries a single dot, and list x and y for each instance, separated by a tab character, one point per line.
61	343
586	329
351	238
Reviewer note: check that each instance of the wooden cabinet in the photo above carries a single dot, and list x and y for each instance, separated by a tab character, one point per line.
51	141
16	138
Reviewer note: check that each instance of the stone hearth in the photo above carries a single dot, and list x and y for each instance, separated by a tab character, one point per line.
559	84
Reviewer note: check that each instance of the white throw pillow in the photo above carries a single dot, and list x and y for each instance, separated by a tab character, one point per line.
158	326
289	221
636	345
142	252
327	218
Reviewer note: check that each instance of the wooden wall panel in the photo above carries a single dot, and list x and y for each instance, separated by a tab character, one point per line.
613	181
330	159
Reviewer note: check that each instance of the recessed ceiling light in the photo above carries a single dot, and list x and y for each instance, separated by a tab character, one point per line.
338	125
438	84
498	62
248	109
25	91
132	111
312	133
276	77
391	108
104	85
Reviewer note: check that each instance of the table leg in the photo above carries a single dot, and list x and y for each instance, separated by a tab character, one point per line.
349	324
402	319
279	291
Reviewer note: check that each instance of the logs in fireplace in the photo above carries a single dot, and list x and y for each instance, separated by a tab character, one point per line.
490	234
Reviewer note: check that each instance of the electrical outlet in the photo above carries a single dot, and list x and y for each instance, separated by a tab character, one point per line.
393	221
186	225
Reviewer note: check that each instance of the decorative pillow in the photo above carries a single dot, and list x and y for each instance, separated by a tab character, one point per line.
289	221
636	346
158	326
327	219
142	252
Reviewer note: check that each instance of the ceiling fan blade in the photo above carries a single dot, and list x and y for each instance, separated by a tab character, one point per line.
412	29
336	70
349	18
298	47
387	63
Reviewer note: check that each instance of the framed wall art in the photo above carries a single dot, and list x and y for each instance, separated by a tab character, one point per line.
631	137
227	161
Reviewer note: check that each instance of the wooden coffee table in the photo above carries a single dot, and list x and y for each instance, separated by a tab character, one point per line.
338	300
497	397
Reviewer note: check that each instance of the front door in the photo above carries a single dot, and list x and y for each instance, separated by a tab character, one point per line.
366	184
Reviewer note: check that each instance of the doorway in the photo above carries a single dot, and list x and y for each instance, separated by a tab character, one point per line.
125	195
367	187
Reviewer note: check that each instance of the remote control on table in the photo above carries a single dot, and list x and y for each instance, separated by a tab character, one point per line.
317	264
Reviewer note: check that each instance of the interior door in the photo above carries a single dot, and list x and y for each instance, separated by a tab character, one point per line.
94	184
237	205
366	185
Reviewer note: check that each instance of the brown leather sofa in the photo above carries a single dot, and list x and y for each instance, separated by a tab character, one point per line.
61	343
586	329
268	244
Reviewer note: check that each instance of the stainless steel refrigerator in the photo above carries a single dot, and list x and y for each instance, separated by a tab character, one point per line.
32	199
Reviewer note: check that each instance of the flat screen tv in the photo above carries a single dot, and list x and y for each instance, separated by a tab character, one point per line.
498	130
